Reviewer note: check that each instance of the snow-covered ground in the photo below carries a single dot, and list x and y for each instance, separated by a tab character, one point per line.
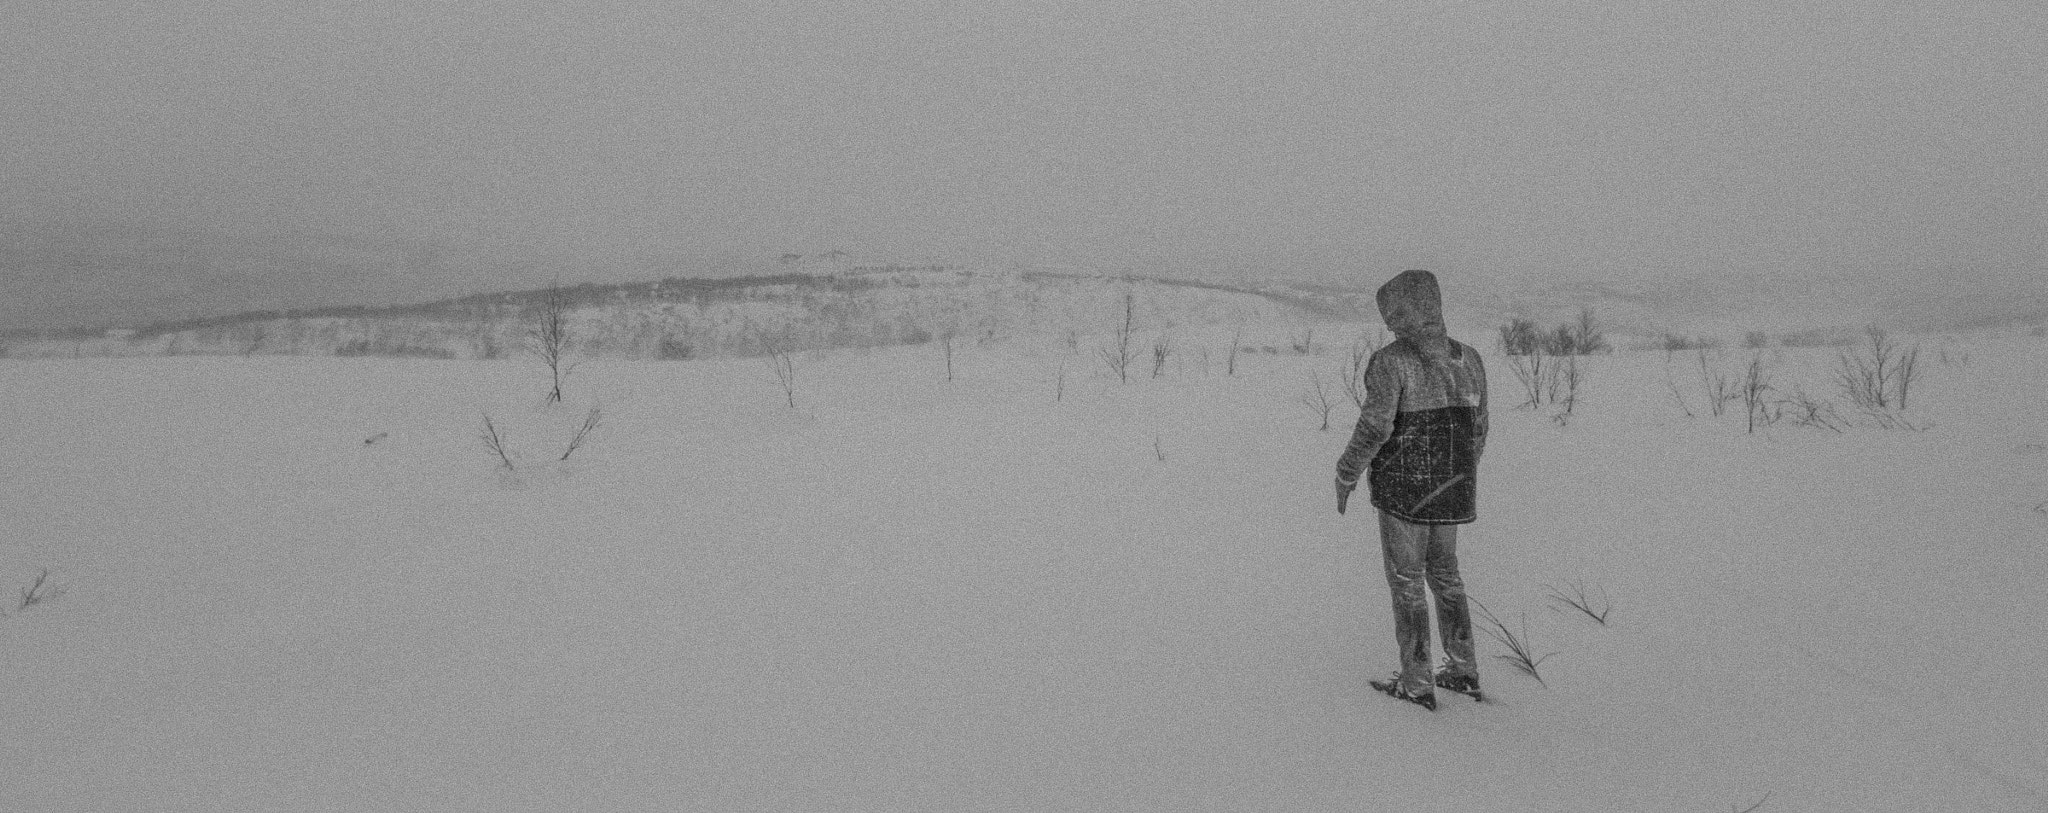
1029	588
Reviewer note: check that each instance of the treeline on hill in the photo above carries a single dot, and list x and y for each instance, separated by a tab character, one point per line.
673	289
1580	337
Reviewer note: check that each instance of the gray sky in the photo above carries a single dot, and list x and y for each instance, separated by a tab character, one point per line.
239	152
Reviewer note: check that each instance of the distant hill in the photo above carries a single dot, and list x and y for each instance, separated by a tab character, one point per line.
689	318
679	318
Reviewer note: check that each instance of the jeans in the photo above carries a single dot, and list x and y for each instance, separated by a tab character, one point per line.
1417	555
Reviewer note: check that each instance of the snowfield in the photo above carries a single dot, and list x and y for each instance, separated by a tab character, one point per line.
1028	588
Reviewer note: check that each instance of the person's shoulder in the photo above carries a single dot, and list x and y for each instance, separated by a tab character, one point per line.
1394	351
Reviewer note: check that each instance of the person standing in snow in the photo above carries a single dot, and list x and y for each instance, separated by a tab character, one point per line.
1417	445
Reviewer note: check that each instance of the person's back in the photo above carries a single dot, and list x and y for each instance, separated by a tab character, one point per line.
1418	441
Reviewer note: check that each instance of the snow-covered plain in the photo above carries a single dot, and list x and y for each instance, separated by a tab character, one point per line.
913	594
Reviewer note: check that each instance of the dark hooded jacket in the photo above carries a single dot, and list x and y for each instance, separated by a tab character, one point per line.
1420	434
1423	425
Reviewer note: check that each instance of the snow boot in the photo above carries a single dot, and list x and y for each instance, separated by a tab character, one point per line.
1392	688
1466	685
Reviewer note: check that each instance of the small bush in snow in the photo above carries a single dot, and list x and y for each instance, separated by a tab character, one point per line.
1119	354
1754	384
1881	375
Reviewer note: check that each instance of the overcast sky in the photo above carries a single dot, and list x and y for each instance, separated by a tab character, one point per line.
229	150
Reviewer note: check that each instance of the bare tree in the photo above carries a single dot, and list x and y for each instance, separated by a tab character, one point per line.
1160	348
1520	337
1354	369
1589	339
1230	364
946	347
1569	377
1119	354
551	338
1882	376
1318	400
1537	376
784	364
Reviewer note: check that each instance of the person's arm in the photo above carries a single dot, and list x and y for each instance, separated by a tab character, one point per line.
1375	419
1479	421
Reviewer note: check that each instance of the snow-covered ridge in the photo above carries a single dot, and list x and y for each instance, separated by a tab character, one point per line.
692	318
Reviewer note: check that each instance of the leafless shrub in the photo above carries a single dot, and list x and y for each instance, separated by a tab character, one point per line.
1719	389
1354	369
1520	337
1805	410
1568	380
495	442
39	591
591	421
1676	395
1059	387
1230	364
946	348
1522	656
1119	354
1578	599
1587	336
1158	451
1881	376
1883	419
1755	383
1538	375
1318	400
1907	370
550	335
783	362
1160	348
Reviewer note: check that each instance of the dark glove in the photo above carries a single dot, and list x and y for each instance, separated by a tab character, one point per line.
1344	492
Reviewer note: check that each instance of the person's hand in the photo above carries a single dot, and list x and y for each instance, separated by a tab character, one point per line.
1344	492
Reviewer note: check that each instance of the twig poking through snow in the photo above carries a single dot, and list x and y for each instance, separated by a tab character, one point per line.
39	591
1577	599
496	443
1752	808
1524	658
590	423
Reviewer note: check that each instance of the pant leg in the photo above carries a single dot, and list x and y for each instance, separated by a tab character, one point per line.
1404	547
1453	618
